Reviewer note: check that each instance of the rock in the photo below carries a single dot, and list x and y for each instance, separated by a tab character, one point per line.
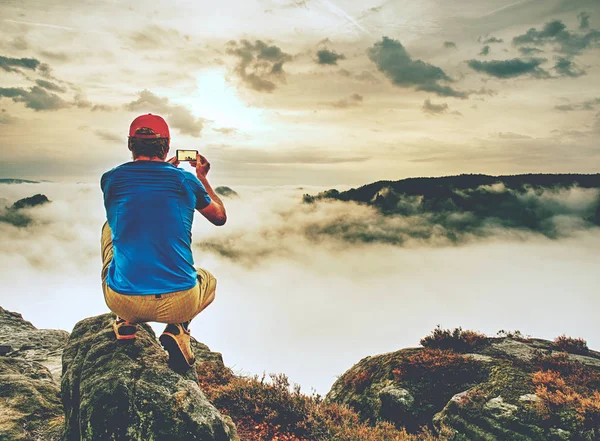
529	398
30	407
499	409
395	403
487	394
26	341
125	390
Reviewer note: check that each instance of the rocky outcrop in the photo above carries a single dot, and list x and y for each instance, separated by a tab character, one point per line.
487	393
125	390
30	407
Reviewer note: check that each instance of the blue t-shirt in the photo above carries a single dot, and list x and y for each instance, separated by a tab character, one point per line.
150	208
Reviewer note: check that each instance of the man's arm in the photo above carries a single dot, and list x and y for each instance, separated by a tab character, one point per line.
215	211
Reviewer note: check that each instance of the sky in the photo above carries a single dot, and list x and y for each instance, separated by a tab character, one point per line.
287	97
298	92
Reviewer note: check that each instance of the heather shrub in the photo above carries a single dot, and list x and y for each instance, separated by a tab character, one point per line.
272	410
456	340
572	345
514	335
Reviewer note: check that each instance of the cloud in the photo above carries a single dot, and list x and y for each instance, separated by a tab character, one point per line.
82	103
590	104
110	137
325	56
225	130
352	101
48	85
56	56
490	40
485	50
393	60
434	109
449	45
555	33
154	37
35	98
568	68
510	68
5	118
584	20
177	116
511	135
526	50
365	76
259	65
13	64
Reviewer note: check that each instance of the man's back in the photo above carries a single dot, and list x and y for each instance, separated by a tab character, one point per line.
150	208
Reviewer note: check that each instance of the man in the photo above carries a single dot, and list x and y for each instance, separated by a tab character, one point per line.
148	271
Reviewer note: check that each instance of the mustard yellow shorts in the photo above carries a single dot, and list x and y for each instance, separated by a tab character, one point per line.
174	307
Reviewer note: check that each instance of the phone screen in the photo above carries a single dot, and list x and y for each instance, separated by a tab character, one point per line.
186	155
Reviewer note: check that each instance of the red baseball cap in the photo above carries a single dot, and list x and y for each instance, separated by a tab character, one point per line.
154	122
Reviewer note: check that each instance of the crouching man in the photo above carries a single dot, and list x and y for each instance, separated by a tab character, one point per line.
148	271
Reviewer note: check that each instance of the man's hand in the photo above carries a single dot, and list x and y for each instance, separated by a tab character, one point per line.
201	165
173	160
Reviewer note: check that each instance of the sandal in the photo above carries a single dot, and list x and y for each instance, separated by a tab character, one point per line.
176	340
124	330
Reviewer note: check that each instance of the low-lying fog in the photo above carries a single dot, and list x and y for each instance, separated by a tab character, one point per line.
295	297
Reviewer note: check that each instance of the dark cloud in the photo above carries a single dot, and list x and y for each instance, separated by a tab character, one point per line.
485	50
526	50
352	101
566	67
13	64
259	64
35	98
490	40
176	116
325	56
555	33
393	60
434	109
48	85
449	45
584	20
510	68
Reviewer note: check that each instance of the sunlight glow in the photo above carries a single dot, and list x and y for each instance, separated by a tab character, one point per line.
217	100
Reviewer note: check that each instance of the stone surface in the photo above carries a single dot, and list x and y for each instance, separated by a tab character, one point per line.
125	390
491	398
499	409
26	341
30	407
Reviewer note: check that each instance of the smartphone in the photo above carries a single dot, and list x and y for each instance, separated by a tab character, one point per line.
186	155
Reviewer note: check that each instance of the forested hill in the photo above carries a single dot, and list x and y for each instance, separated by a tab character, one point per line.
445	186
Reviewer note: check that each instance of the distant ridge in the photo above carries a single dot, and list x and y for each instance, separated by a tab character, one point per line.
17	181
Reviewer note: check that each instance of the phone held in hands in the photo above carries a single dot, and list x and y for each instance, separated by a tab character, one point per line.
186	155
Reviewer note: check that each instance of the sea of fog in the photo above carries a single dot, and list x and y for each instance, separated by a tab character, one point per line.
305	304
